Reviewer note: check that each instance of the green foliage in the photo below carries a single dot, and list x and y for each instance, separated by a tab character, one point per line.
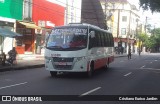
143	37
150	43
154	40
153	5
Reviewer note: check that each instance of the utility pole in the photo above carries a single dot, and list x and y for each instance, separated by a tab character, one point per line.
146	25
154	30
128	33
118	23
139	46
142	48
105	12
66	21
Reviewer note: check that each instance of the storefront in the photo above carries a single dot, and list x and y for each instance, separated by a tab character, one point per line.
6	43
47	18
25	43
123	43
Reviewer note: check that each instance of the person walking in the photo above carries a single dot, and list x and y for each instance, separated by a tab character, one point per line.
3	59
129	53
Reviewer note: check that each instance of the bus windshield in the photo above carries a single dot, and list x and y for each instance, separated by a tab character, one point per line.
67	39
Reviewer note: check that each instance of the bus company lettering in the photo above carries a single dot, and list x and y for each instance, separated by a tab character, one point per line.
71	30
55	55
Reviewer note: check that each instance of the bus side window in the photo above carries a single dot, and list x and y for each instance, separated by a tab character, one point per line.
112	41
102	39
92	40
95	42
105	40
109	40
90	43
98	39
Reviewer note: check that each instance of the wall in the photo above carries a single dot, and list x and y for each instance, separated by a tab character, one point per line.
11	9
47	14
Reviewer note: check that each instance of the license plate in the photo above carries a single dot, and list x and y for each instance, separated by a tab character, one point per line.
62	63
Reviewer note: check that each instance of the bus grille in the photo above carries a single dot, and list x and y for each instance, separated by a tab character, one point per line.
61	63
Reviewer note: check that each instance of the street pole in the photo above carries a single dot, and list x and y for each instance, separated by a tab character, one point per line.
139	41
105	9
128	33
66	21
146	25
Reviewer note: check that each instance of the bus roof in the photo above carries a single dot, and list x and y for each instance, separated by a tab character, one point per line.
83	24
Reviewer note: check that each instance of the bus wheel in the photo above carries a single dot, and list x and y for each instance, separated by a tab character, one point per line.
53	74
90	72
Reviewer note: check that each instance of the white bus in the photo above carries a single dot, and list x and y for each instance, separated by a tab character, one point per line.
78	48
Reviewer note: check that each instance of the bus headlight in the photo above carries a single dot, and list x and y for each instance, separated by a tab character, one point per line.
80	58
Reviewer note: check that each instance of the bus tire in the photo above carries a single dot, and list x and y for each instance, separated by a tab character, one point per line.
53	74
91	70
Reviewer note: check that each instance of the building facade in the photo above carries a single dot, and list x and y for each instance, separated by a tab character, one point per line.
9	13
46	14
73	11
33	19
122	18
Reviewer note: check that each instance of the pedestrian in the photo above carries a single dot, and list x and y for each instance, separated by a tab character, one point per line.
129	53
3	59
12	56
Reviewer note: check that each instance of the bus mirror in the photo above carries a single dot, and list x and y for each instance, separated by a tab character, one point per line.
92	34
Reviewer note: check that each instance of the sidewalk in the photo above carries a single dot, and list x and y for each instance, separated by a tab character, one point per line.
31	61
24	62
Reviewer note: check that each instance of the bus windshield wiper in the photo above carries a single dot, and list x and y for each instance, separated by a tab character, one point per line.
54	47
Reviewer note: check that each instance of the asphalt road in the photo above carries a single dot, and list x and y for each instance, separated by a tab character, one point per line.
138	76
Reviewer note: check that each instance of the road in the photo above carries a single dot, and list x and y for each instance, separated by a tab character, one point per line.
138	76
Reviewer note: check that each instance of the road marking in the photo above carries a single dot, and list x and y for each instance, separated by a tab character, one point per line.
86	93
151	62
128	74
12	85
155	60
142	67
151	69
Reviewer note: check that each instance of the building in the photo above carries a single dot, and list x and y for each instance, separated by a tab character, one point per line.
122	18
46	14
73	11
33	19
9	13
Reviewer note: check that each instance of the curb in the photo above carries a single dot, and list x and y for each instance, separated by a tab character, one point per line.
120	56
12	68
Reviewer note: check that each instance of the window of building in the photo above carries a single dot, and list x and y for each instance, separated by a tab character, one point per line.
123	31
124	18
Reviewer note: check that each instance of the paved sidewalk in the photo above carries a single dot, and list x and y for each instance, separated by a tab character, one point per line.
25	62
30	61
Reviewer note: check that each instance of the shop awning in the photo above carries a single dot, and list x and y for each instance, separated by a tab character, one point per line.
30	25
7	33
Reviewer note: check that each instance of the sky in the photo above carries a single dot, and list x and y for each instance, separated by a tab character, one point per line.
152	18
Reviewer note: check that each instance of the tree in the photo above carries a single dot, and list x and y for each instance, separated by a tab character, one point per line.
143	37
153	42
153	5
